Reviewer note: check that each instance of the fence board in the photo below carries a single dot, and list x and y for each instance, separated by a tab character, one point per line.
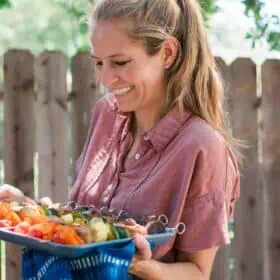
247	248
51	127
19	135
271	164
84	95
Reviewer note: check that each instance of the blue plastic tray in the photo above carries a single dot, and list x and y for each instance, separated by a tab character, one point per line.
75	251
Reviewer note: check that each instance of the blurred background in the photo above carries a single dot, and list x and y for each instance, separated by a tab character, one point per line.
237	28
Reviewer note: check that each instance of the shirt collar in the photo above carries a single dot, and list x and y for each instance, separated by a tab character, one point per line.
167	128
164	131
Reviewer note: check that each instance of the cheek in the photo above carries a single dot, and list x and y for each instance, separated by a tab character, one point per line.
154	71
153	76
149	74
131	75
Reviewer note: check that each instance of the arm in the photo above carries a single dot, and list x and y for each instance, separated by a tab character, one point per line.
193	266
212	192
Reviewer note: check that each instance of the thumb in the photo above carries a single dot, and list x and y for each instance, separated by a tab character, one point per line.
144	251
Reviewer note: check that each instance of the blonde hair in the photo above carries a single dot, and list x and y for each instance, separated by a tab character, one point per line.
193	82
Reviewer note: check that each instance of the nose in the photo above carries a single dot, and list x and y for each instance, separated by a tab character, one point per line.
108	77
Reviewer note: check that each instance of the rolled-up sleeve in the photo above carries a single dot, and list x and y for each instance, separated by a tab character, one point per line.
210	201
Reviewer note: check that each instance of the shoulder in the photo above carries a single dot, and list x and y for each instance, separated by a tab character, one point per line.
104	110
210	143
197	135
211	153
214	165
105	105
103	116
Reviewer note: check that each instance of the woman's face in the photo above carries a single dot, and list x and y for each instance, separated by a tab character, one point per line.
125	69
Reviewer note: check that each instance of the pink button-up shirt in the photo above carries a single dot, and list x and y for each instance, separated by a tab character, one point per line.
184	169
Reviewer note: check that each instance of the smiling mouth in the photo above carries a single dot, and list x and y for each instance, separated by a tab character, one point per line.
123	91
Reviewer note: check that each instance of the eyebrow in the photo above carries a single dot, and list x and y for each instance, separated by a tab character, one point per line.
113	55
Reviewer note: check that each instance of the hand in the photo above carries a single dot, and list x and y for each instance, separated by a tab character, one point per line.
142	264
45	201
11	193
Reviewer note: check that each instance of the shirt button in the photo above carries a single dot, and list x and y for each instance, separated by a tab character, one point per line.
105	199
146	137
137	156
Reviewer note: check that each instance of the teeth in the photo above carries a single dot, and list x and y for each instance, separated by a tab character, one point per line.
123	90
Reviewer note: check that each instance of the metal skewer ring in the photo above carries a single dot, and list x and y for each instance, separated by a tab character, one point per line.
180	228
163	219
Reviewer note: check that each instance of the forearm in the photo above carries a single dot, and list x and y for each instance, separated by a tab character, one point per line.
179	270
155	270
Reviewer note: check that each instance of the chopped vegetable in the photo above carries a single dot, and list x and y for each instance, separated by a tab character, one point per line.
74	224
67	219
101	229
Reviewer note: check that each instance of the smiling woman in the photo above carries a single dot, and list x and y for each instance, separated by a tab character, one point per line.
158	143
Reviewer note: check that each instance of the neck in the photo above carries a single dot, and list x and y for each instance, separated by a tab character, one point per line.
144	120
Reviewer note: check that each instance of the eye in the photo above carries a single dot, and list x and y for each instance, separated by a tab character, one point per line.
98	63
122	63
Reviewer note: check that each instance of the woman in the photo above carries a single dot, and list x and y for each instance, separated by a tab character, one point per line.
158	142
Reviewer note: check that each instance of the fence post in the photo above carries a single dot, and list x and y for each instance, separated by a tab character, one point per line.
19	136
84	95
271	166
248	223
51	125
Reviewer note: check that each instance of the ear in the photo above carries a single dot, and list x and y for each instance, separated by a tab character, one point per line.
170	50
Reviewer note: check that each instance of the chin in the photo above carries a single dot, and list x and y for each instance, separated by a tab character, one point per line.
125	109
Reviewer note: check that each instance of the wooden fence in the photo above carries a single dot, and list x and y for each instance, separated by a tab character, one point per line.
46	122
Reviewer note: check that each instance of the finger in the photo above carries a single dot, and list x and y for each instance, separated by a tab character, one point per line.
10	197
7	191
10	193
134	269
29	200
46	201
143	247
144	269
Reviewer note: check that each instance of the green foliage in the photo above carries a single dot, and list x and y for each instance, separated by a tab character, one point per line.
209	8
266	26
63	23
77	13
5	4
